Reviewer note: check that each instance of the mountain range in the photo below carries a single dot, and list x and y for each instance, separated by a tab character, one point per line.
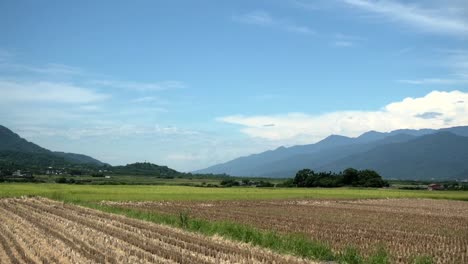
401	154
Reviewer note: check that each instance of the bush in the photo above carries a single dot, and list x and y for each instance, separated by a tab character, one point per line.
287	183
229	183
265	184
61	180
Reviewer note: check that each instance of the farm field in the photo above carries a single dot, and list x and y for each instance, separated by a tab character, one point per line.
97	193
128	179
314	223
406	227
39	230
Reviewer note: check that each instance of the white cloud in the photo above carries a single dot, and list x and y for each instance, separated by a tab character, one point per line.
262	18
141	86
441	19
15	91
295	128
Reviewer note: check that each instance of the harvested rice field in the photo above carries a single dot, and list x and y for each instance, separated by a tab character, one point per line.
39	230
406	227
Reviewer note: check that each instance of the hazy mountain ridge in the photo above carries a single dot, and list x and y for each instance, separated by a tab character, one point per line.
13	148
442	155
334	153
16	152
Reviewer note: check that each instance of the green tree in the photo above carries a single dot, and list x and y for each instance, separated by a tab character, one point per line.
350	176
301	177
370	178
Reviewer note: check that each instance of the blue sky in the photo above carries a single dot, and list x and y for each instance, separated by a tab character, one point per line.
192	83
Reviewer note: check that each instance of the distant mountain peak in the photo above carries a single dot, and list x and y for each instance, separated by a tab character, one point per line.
371	132
336	136
333	140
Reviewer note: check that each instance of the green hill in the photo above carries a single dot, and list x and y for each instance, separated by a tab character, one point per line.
145	168
16	151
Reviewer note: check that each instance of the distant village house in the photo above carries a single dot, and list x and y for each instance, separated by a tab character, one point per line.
435	187
20	174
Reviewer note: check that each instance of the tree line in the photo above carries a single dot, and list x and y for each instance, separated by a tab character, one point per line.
348	177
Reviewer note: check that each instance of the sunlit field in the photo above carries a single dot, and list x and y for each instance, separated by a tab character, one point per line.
90	193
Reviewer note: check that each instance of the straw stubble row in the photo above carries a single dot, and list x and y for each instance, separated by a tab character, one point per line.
37	230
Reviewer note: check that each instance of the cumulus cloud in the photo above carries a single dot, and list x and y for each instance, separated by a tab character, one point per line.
293	128
16	91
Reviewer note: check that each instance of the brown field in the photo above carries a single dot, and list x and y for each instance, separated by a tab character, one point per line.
406	227
44	231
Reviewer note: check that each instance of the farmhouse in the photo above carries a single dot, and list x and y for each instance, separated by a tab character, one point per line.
435	187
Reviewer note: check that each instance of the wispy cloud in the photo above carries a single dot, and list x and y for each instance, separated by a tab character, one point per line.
342	43
455	61
262	18
183	157
149	99
5	55
56	68
434	19
50	69
140	86
345	41
313	5
61	93
458	61
294	128
403	51
435	81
